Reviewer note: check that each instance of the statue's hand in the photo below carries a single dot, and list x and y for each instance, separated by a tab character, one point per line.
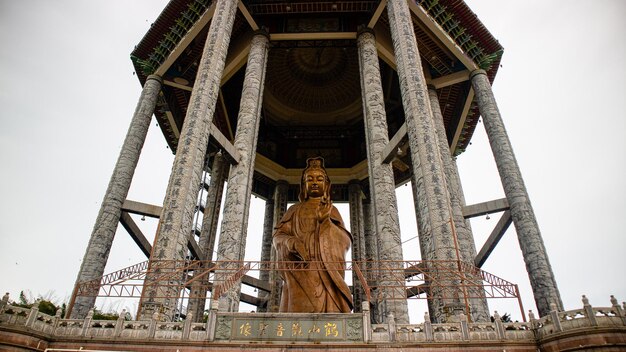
323	211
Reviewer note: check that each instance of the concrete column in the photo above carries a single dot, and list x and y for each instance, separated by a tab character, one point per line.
104	229
232	243
538	266
479	311
355	199
371	253
276	283
266	249
219	171
182	190
382	184
433	198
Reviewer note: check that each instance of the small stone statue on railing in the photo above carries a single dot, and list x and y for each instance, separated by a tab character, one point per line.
4	302
91	313
585	301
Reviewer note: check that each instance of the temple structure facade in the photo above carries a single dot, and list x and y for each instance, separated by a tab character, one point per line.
387	92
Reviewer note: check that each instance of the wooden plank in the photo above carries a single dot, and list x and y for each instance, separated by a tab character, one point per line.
492	206
133	207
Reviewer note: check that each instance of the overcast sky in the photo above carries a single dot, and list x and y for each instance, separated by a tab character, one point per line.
67	94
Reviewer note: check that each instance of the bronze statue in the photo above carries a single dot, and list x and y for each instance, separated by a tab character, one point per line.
312	232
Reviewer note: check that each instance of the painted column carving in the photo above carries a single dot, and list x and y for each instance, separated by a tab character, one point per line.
276	282
428	173
266	249
182	190
382	184
104	229
479	311
538	266
208	233
232	241
355	199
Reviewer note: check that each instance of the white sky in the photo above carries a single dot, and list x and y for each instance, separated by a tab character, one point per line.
67	93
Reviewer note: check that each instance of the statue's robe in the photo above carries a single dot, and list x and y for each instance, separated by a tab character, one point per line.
320	243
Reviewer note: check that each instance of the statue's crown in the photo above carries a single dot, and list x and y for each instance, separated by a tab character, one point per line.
315	163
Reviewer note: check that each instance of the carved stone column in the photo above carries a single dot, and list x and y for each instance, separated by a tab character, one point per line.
479	311
433	198
266	249
538	265
371	253
182	190
355	199
276	282
219	171
382	184
232	243
103	232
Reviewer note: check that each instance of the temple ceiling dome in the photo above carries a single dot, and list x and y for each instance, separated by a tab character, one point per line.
313	86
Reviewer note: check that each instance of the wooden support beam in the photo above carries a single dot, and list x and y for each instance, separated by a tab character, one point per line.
492	206
459	127
497	233
391	149
135	233
246	14
312	36
377	13
255	301
384	46
230	152
256	283
133	207
451	79
246	298
177	85
238	56
192	245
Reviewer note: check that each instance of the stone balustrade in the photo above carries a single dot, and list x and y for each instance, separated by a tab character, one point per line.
535	330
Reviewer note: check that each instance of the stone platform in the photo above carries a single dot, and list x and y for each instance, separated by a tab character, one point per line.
588	328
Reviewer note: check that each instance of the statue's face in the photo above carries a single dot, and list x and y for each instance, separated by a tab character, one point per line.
315	183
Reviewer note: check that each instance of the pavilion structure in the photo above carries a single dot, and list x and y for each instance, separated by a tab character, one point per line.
386	91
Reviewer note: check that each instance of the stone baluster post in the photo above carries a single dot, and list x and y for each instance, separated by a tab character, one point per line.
276	282
479	310
382	183
232	243
184	184
538	266
355	200
208	233
97	253
433	200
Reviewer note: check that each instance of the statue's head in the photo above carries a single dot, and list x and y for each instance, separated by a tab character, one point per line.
314	182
